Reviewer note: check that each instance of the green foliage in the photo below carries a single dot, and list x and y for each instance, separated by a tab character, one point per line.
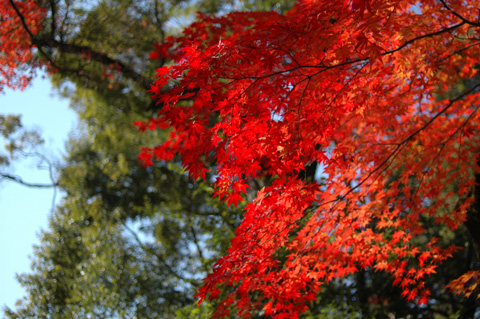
16	138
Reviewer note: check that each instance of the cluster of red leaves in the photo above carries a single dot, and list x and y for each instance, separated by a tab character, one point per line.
356	87
466	284
17	62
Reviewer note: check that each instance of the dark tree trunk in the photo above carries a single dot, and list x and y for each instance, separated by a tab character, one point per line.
362	293
473	217
473	227
308	174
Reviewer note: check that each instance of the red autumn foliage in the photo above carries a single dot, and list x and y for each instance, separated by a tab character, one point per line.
17	63
383	94
466	284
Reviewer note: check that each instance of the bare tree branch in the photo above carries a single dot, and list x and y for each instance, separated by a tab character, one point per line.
102	58
19	180
158	256
70	48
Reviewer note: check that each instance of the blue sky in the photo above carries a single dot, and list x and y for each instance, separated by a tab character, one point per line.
24	211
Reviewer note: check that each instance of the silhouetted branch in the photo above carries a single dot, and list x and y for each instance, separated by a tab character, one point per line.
20	181
70	48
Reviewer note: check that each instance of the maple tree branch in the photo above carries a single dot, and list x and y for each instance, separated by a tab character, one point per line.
443	144
102	58
452	101
399	147
350	62
428	35
27	29
33	39
425	172
383	165
71	48
459	51
412	135
403	143
461	126
458	15
344	87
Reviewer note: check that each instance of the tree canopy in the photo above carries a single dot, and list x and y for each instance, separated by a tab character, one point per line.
364	89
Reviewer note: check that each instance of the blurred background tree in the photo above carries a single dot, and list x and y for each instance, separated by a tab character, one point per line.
126	241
